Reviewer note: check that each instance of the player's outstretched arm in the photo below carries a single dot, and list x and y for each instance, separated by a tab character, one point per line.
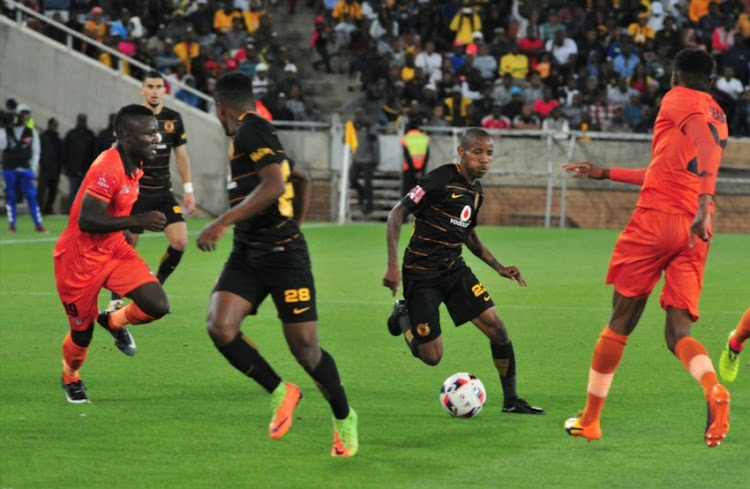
482	252
94	219
392	277
596	172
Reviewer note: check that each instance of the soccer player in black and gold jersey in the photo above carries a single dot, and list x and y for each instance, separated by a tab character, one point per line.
269	196
156	186
445	204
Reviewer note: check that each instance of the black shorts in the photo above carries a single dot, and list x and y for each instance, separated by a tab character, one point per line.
285	275
162	201
463	294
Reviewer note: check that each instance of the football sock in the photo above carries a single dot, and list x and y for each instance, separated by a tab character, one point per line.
243	354
695	359
741	333
130	314
504	359
168	263
413	345
326	377
73	357
607	355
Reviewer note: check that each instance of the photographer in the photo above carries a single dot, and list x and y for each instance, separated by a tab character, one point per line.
21	149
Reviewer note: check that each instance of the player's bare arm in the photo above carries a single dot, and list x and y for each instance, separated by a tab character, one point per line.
479	250
183	167
581	169
271	187
392	277
302	187
94	219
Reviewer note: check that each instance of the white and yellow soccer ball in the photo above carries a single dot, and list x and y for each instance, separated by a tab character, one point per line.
462	395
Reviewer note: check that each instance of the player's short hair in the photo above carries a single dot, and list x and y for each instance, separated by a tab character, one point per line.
125	116
235	89
695	67
472	134
153	74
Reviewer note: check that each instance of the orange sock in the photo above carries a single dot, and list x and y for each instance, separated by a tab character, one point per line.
696	361
742	332
130	314
607	354
73	358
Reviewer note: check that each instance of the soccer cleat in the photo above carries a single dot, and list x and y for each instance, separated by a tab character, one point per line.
41	229
75	392
115	305
717	422
729	363
398	322
12	229
345	438
283	404
519	406
574	428
123	339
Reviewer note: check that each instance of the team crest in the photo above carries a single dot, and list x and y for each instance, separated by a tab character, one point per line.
169	126
423	329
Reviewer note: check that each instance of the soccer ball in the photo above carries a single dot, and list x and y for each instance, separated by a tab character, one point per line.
462	395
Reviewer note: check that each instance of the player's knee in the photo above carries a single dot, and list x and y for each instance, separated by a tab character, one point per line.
306	353
157	308
83	338
430	358
220	332
179	243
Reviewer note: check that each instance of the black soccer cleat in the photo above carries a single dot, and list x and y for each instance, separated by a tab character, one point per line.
395	320
123	339
519	406
75	392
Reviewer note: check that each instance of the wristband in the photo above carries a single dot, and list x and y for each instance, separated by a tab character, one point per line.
188	187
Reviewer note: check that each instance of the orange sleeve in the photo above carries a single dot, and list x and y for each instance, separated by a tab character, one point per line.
705	136
628	175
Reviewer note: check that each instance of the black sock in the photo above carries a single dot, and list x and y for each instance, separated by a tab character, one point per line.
326	377
505	362
168	263
243	355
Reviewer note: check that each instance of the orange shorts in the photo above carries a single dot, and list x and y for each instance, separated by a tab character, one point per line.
654	242
80	278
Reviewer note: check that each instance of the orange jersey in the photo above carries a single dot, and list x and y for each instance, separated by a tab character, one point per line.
675	177
106	180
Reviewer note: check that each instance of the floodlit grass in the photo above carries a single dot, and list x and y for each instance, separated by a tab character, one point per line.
178	416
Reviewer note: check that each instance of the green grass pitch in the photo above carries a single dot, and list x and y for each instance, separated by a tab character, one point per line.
178	416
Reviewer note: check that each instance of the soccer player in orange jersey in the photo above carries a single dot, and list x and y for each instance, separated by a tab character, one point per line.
669	233
95	251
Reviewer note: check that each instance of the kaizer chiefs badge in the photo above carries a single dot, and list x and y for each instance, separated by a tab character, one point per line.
169	126
423	330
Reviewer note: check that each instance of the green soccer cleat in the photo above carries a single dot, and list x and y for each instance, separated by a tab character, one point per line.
729	363
345	439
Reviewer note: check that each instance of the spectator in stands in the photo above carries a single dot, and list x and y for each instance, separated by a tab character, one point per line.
496	119
365	159
456	107
723	37
457	57
729	84
515	63
557	124
464	24
247	59
52	31
741	122
669	36
50	166
384	29
577	27
485	63
275	56
95	28
626	61
321	37
158	40
236	37
656	19
601	111
106	137
544	106
502	87
633	111
620	93
347	7
563	48
704	27
618	122
295	102
186	96
188	50
737	57
437	117
78	154
551	26
311	113
224	17
202	18
251	16
531	45
178	25
499	44
573	111
534	89
640	30
428	60
513	108
290	80
119	28
260	80
280	110
526	119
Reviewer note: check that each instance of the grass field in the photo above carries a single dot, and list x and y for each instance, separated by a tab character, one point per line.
178	416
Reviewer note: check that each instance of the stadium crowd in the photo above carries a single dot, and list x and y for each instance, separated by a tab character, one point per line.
592	64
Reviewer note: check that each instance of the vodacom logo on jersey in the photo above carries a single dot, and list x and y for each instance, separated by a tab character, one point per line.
464	217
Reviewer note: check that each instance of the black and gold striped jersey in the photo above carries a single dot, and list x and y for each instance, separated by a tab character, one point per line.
254	146
445	208
156	176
